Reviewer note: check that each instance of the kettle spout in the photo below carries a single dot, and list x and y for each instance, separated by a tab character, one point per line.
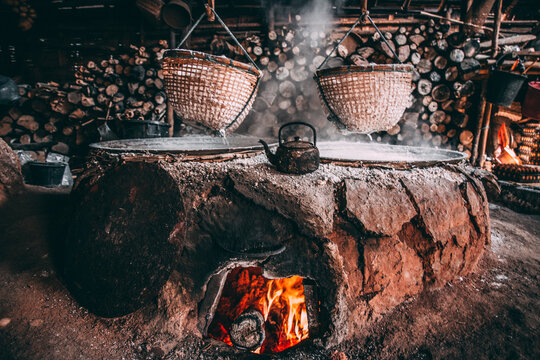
271	157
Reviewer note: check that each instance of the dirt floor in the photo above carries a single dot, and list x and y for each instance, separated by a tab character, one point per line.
491	314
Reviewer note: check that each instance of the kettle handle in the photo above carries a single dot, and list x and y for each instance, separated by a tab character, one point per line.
298	123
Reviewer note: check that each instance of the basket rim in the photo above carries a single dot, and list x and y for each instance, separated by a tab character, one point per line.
348	69
221	60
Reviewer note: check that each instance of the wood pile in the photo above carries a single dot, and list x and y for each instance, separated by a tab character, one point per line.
125	86
129	85
22	8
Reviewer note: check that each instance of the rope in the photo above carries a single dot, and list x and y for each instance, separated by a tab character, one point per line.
226	29
239	45
382	37
366	15
191	30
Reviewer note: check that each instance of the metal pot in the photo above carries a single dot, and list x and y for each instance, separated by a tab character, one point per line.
503	86
296	156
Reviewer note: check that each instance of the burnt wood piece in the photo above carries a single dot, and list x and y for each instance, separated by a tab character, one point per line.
247	331
311	296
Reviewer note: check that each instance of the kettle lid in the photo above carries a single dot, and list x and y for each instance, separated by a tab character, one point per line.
297	144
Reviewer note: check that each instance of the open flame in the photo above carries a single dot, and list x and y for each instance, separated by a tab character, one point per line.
280	301
286	301
504	154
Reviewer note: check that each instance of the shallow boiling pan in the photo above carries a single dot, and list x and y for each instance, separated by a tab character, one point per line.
349	153
345	153
188	145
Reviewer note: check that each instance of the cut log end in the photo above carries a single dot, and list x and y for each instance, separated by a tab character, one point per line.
247	331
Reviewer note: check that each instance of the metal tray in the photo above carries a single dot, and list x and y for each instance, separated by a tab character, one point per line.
351	153
188	145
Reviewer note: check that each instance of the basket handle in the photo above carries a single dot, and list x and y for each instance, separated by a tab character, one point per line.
365	15
210	10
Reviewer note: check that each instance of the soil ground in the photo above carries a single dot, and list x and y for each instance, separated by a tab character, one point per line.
491	314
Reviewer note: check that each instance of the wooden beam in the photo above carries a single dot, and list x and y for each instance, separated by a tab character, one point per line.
509	40
425	13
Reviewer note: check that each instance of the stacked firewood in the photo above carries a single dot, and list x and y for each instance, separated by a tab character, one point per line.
27	14
445	67
443	85
126	86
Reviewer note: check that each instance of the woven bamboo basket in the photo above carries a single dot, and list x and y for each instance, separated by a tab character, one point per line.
209	90
365	98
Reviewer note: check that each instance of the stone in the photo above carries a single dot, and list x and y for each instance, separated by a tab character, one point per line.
440	204
11	180
392	272
36	322
4	322
310	205
381	205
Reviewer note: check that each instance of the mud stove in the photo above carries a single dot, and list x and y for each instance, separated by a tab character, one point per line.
213	242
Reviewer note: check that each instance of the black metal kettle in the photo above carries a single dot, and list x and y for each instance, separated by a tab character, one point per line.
296	156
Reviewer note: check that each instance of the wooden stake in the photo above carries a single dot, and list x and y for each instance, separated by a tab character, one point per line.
480	122
485	132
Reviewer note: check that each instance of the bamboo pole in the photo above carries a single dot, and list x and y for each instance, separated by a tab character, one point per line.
170	110
425	13
481	112
363	5
485	132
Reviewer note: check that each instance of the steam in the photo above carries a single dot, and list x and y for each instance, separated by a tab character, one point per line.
307	41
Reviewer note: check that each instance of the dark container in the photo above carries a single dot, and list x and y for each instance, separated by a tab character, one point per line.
48	174
176	14
503	86
141	129
531	104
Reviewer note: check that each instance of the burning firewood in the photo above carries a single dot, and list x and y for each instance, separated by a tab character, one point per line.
247	331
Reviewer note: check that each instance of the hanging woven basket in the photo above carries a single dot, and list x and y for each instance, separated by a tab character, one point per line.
364	98
208	90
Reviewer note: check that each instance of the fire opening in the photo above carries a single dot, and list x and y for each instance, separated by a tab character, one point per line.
503	153
259	314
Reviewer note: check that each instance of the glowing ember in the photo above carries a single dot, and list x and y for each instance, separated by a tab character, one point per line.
281	301
504	154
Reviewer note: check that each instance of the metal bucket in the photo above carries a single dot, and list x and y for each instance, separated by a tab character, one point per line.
503	86
142	129
48	174
531	104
